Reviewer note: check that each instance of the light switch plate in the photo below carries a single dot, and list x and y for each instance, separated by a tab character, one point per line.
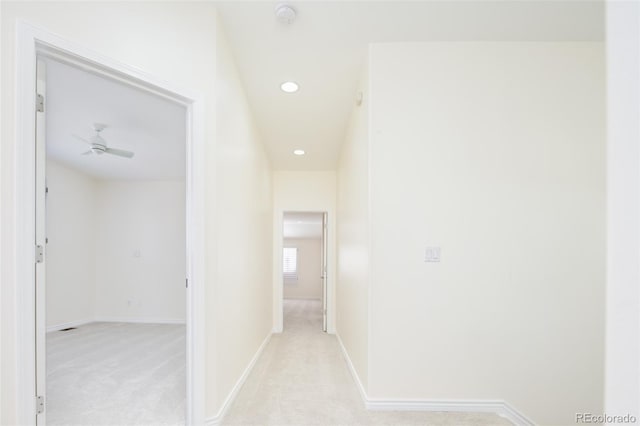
432	254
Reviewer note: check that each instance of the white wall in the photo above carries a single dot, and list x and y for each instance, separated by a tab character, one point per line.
309	284
303	191
241	296
140	247
71	254
622	394
495	152
95	229
352	293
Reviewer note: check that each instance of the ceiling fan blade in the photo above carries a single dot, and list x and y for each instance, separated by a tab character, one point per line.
82	139
119	152
87	153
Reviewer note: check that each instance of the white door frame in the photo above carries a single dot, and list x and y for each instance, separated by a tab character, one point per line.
31	42
278	287
325	270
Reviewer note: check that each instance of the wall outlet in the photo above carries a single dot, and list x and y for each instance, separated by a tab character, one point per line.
432	254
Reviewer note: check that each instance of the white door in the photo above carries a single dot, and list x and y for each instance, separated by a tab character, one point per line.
40	244
324	271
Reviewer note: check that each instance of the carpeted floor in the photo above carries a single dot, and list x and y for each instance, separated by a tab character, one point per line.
134	374
302	379
116	374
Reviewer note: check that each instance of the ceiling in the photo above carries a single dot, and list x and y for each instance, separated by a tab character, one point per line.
152	127
323	50
302	225
325	47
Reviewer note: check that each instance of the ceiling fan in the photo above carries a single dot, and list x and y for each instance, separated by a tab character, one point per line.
98	146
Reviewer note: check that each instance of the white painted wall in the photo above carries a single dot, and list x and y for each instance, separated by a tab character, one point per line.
95	228
309	284
140	247
622	392
71	254
241	294
303	191
495	152
352	293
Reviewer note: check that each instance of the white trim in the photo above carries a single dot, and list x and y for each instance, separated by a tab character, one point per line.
352	370
24	204
217	419
278	284
31	41
140	320
79	323
499	407
69	324
332	270
195	216
510	413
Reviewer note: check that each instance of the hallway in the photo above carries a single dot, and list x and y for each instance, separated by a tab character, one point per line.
302	379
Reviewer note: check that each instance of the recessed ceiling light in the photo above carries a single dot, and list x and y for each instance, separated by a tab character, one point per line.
299	152
289	87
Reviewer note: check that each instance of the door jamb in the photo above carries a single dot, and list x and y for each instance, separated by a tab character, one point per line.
33	41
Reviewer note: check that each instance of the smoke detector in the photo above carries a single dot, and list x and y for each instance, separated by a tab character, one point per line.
285	14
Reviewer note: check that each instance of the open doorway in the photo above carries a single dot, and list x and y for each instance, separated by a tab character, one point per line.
30	221
304	268
111	173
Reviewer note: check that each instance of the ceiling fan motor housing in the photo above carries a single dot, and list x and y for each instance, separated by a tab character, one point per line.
98	145
98	149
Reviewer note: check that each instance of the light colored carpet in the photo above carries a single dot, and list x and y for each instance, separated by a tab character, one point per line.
117	374
302	379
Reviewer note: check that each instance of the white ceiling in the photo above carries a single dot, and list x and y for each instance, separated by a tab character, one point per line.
324	50
302	225
152	127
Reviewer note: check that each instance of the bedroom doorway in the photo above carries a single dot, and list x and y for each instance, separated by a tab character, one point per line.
304	267
111	209
36	44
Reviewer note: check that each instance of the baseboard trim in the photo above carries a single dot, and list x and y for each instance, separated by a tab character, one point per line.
353	371
78	323
57	327
499	407
141	320
215	420
510	413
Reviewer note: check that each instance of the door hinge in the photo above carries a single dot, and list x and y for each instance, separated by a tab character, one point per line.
40	404
39	254
187	282
39	102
